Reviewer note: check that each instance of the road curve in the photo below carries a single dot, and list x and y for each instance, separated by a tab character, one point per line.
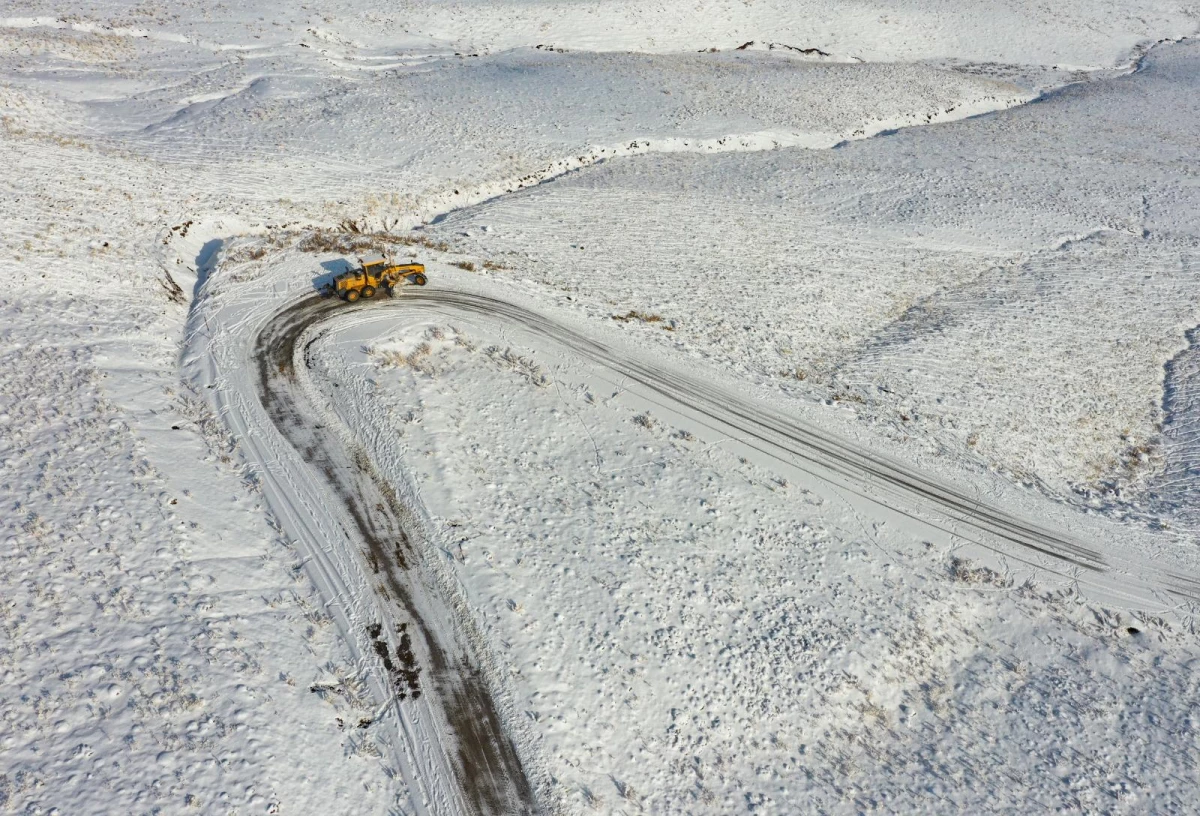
1135	580
488	771
486	765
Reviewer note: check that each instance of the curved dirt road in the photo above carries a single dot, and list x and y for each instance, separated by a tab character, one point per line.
486	765
488	771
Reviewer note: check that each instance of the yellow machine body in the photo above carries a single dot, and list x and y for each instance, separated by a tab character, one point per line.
375	273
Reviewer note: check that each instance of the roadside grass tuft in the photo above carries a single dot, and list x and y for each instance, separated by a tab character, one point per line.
965	571
349	242
645	317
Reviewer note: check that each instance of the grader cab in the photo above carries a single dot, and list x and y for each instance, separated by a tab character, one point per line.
374	274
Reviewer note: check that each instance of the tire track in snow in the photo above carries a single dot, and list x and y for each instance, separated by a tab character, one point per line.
489	772
488	769
485	763
848	465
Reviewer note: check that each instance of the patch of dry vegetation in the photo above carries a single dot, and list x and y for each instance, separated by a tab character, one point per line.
425	356
508	359
350	239
417	359
966	571
645	317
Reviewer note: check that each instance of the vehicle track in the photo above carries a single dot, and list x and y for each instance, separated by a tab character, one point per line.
484	761
855	465
852	466
487	766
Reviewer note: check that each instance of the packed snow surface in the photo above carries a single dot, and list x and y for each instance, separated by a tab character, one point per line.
857	219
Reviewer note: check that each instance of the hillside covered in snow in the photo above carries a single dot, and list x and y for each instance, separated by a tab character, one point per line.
800	415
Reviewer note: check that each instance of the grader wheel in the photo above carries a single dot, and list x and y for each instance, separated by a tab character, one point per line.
418	279
351	295
368	291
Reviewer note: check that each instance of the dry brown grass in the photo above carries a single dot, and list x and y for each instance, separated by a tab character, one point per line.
15	131
243	254
848	396
962	569
634	314
509	359
645	421
349	241
645	317
417	359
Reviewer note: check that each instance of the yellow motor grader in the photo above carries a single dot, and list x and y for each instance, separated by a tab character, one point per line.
376	272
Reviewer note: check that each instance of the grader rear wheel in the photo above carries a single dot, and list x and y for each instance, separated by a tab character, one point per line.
351	295
368	291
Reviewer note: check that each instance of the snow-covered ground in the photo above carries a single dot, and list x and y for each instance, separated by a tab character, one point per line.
1010	287
1072	34
684	629
665	622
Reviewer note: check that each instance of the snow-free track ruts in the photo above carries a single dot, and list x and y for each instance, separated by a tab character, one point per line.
488	769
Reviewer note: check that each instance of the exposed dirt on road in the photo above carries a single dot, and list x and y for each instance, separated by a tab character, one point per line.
489	771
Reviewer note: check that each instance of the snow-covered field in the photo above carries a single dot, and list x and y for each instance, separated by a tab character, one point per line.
1013	286
964	239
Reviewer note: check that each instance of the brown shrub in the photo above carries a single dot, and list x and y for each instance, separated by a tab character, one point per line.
348	242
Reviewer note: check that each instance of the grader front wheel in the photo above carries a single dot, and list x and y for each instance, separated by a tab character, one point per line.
418	279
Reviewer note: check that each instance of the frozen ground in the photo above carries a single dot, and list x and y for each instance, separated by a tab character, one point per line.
1176	486
392	149
663	622
1008	289
688	630
1076	34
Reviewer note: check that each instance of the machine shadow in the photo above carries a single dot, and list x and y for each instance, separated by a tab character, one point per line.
323	284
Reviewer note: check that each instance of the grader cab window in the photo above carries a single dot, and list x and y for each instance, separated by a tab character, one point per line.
371	262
